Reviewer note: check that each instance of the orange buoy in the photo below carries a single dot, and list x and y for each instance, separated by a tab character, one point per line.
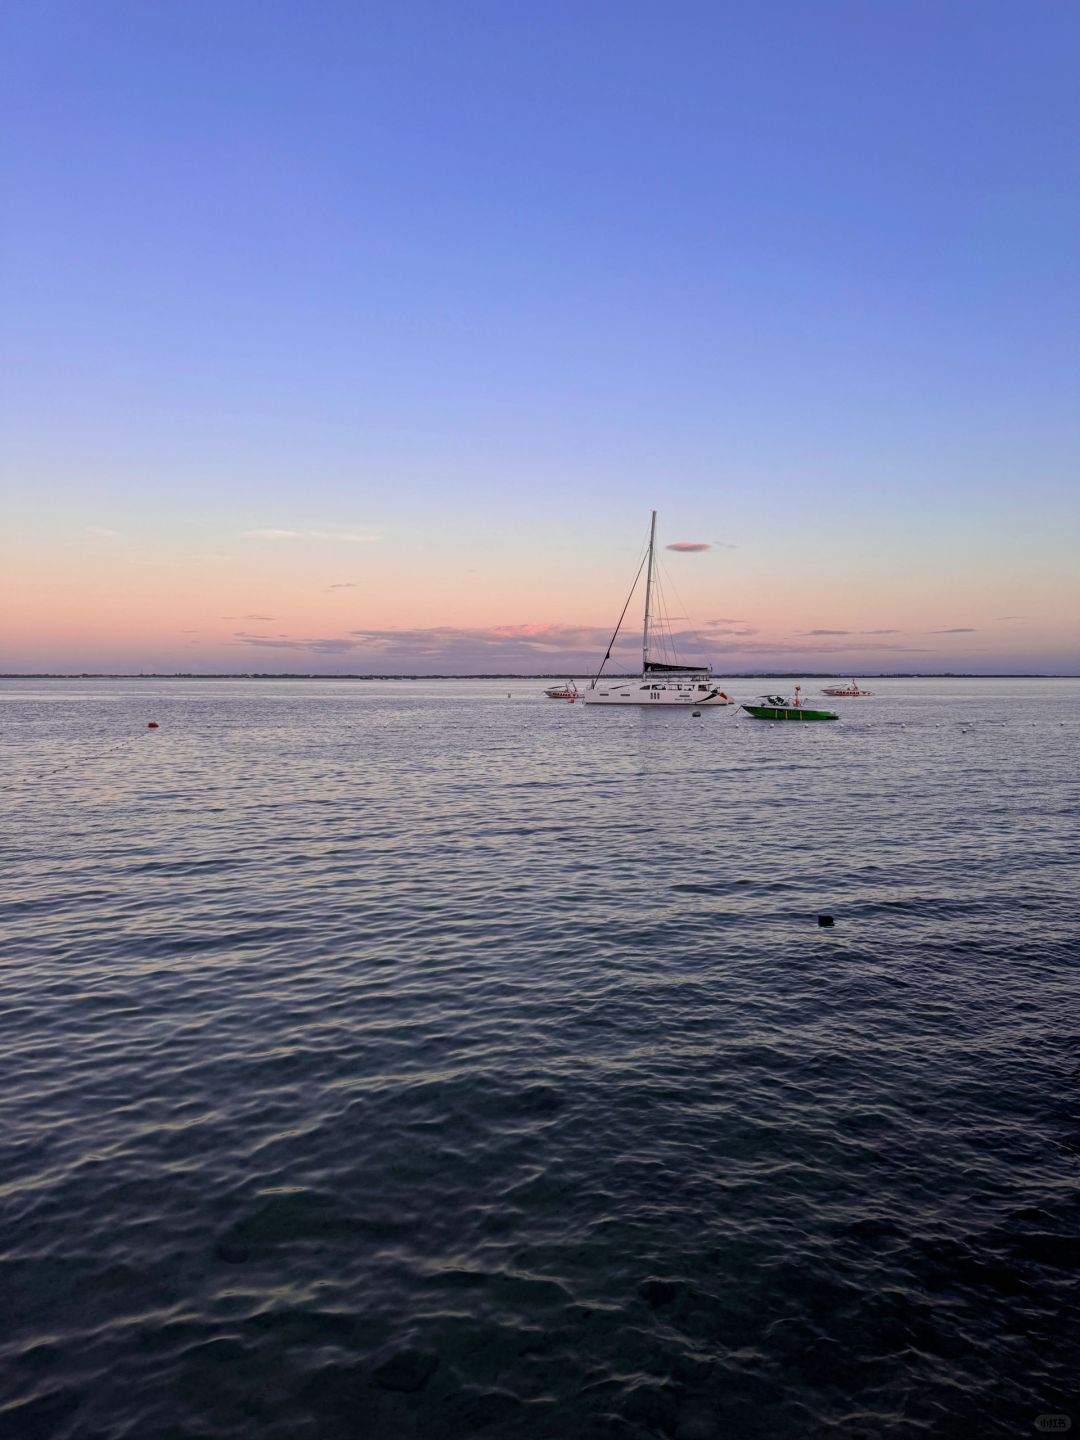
153	725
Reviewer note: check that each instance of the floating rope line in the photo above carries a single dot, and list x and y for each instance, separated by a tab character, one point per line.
82	760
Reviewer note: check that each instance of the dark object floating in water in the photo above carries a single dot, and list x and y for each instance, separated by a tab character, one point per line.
407	1370
696	714
825	920
657	1292
153	725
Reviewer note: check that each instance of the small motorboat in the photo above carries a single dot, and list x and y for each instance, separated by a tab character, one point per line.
848	691
776	707
569	691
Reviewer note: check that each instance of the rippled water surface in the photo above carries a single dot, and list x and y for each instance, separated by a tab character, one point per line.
411	1060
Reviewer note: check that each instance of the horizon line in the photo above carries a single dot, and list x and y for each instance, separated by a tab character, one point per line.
520	675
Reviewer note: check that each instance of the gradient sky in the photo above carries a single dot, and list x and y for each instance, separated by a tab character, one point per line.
363	337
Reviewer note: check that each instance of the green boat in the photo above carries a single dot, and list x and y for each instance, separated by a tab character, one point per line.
775	707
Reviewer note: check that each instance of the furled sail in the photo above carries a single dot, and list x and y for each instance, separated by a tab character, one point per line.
657	667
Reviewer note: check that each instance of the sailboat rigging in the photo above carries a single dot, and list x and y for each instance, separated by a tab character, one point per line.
662	682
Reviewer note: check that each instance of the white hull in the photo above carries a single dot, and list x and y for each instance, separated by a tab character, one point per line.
634	692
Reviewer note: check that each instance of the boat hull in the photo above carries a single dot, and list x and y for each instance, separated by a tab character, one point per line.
788	712
634	693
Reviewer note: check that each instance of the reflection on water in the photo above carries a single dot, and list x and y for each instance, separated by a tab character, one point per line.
406	1060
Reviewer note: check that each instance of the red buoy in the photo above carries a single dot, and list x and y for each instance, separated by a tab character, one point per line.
153	725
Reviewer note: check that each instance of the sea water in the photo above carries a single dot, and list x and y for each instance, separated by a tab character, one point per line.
419	1059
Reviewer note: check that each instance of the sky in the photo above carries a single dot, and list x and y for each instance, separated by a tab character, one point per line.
345	337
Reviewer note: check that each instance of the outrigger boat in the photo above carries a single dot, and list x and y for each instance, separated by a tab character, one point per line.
663	682
848	691
777	708
569	691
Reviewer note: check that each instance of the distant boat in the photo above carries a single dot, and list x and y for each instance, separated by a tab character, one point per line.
663	682
775	707
569	691
847	691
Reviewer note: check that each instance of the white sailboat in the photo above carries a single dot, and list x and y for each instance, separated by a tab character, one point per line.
662	682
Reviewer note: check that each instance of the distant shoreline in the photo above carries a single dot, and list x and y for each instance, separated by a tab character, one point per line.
549	675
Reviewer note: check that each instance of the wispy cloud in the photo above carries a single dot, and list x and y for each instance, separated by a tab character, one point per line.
824	647
444	641
449	649
848	632
1010	617
495	647
260	617
343	585
955	630
101	532
687	547
349	536
333	645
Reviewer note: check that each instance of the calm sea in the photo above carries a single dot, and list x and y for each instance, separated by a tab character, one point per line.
417	1060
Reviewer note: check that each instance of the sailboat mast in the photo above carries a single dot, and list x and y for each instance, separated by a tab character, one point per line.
648	596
